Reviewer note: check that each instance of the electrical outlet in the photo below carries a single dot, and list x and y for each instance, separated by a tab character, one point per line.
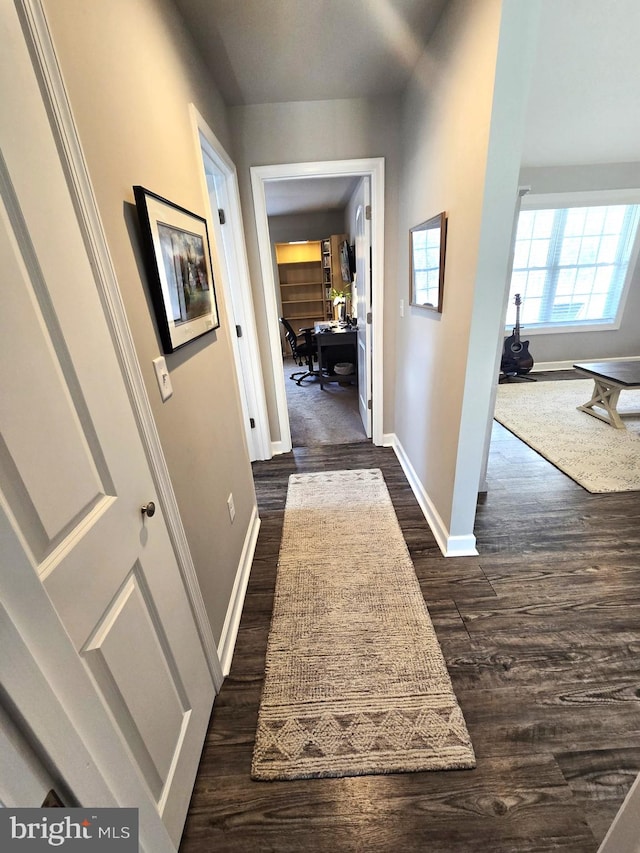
402	307
232	508
162	375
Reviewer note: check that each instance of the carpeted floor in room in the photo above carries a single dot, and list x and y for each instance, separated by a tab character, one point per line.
321	416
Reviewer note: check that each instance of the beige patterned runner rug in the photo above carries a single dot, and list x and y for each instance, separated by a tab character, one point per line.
594	454
355	679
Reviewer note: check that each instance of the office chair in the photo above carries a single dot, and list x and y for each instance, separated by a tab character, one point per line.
305	350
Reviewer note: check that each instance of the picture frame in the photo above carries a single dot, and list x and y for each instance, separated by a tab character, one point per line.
427	245
345	262
178	261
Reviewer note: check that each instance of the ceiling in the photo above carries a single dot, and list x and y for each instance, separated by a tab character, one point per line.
583	105
308	195
584	101
269	51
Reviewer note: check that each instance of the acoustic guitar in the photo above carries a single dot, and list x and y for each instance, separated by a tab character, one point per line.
516	358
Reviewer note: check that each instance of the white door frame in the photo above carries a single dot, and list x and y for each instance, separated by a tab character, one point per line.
374	169
234	267
482	486
362	237
55	96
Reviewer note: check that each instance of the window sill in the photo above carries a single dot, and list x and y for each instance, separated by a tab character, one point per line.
526	331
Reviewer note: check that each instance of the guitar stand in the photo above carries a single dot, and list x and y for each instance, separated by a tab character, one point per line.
515	377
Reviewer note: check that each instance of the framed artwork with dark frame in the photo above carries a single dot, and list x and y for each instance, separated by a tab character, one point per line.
178	260
427	243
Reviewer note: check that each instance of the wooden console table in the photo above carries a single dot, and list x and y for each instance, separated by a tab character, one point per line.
610	378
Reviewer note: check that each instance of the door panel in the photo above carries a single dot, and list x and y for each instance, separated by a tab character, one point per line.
140	682
28	424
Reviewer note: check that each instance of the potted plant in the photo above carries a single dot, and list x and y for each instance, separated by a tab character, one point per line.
339	303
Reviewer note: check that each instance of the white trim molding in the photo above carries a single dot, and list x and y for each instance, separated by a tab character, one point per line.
249	366
580	198
568	365
622	836
229	632
81	190
367	167
278	447
451	546
271	310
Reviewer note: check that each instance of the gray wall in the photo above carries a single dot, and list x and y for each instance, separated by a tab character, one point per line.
131	72
462	127
311	131
313	225
589	346
583	133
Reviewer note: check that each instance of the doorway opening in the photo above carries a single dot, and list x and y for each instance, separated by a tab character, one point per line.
360	221
311	228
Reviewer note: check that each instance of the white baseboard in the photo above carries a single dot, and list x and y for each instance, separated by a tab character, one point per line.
622	836
451	546
388	439
277	447
234	610
461	546
568	365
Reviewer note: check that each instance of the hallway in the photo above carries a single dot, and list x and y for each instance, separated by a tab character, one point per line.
539	633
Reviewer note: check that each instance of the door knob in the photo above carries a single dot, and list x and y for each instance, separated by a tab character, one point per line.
148	509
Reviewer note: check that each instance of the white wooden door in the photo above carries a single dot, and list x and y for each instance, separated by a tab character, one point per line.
363	301
73	471
225	262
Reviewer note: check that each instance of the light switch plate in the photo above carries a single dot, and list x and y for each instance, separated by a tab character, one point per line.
162	375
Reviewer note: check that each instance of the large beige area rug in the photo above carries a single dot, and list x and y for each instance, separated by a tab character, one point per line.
594	454
355	679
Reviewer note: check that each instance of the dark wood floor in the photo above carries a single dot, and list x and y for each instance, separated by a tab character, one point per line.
541	633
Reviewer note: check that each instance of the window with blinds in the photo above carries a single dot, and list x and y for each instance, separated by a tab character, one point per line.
571	264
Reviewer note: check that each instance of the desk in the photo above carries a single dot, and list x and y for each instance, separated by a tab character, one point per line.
339	337
610	378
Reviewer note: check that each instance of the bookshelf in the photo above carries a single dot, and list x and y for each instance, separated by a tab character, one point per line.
307	272
302	292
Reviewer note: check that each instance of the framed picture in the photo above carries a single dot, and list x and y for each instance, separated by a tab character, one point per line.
427	243
345	262
178	259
